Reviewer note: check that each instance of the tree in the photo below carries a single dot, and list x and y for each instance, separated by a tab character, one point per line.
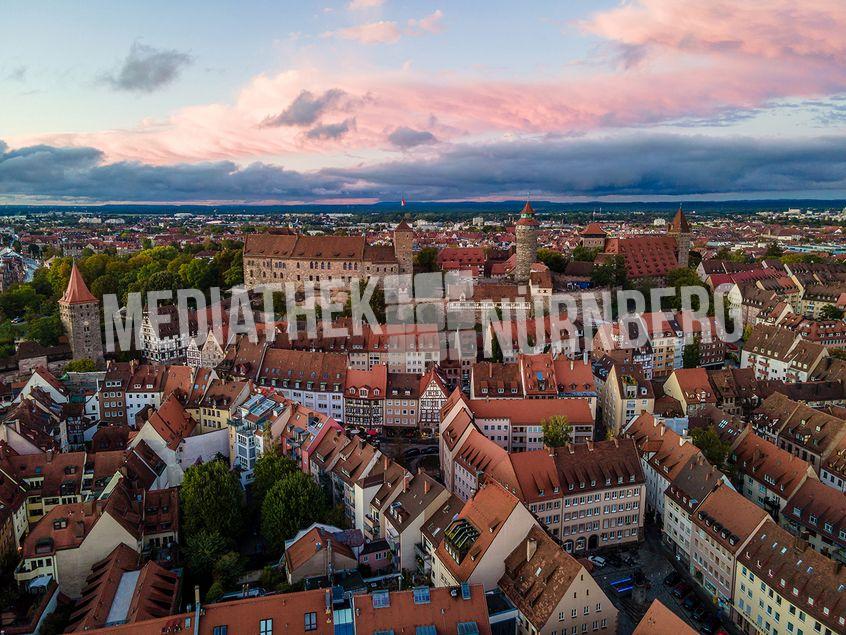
584	254
611	273
84	365
45	330
831	312
270	468
292	504
691	355
555	260
557	431
228	568
427	259
211	499
678	278
707	440
773	250
205	548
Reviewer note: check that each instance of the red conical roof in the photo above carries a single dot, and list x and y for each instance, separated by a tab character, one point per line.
77	292
679	224
527	216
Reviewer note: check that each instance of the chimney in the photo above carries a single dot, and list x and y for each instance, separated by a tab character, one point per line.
406	479
386	461
531	547
426	486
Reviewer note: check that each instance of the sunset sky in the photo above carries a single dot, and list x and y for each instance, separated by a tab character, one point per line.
366	100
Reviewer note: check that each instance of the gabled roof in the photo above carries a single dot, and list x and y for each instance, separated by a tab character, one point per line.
172	422
486	514
659	620
538	575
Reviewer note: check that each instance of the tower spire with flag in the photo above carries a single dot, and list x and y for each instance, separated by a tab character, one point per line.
402	201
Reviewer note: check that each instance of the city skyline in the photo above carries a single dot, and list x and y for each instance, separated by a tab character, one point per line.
368	100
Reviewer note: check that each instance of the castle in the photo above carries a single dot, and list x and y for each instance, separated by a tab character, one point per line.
79	312
272	260
645	255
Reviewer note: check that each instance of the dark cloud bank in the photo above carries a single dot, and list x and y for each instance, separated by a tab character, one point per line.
638	166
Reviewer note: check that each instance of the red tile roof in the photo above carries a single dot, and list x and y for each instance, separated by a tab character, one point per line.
77	292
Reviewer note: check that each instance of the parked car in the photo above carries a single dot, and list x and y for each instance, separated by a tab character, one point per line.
411	452
432	450
672	578
614	560
681	590
628	559
597	561
638	575
700	613
690	603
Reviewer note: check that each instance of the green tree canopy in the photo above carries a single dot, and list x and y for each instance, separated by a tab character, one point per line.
45	330
204	549
557	431
691	355
270	468
211	499
707	440
426	260
831	312
583	254
81	366
291	504
555	260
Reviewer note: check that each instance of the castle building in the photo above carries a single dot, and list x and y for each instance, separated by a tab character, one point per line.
527	243
79	311
272	260
680	230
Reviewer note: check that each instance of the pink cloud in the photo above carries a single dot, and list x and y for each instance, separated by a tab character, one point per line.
770	29
388	32
382	32
693	64
359	5
432	23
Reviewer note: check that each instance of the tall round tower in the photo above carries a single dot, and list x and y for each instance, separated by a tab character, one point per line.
527	243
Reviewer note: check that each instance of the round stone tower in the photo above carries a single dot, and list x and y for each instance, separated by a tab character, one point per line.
527	243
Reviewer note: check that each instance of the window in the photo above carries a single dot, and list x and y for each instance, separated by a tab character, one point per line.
220	630
266	627
311	621
421	595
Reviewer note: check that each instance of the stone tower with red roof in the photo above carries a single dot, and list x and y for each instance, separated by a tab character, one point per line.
403	247
79	311
527	243
680	230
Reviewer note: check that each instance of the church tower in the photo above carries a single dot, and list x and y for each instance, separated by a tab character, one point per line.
527	243
403	247
680	230
79	311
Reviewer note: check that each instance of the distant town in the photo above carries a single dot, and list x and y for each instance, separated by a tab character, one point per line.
202	478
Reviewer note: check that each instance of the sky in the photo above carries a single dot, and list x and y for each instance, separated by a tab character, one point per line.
372	100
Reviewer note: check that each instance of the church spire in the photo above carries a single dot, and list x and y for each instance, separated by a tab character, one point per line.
680	224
